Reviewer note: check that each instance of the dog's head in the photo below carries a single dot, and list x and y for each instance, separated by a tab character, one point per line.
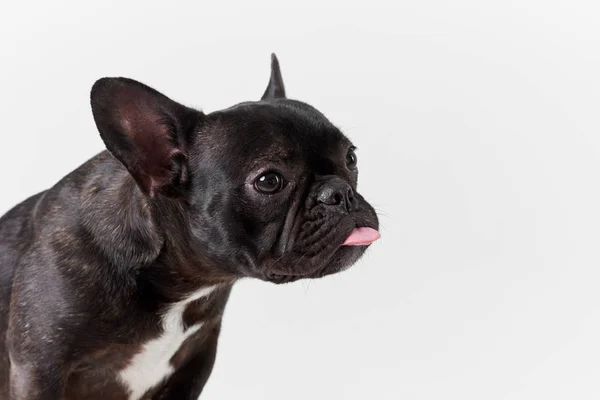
267	188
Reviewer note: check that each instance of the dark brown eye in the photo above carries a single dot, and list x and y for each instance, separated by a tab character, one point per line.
351	159
269	183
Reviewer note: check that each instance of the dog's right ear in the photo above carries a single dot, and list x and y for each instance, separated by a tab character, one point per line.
147	132
275	89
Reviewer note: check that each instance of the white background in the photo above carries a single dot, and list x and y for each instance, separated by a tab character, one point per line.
477	124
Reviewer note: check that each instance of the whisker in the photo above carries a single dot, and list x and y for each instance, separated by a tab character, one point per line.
298	262
306	285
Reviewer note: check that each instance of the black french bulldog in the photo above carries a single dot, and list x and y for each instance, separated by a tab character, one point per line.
113	282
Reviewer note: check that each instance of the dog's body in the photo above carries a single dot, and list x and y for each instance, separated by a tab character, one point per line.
114	281
121	341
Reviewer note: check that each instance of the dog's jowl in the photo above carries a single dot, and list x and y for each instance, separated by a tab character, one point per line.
113	282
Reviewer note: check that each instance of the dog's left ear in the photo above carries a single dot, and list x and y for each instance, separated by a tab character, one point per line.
275	89
146	131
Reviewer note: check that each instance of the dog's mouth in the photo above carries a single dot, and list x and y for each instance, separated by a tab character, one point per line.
326	248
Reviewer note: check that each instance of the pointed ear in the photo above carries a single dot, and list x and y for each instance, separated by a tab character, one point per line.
146	131
275	90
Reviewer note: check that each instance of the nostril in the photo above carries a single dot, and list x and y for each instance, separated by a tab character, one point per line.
338	198
336	193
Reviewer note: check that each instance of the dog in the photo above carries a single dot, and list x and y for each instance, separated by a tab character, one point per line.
113	282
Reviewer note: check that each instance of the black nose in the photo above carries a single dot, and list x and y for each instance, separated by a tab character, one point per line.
335	192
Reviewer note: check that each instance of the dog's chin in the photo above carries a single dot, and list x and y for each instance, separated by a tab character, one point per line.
343	258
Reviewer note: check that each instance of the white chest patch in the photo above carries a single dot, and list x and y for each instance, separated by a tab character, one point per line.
152	365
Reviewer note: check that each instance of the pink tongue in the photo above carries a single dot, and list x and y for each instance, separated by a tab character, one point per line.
361	237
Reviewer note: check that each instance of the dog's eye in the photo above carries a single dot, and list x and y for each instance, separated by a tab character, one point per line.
351	159
269	182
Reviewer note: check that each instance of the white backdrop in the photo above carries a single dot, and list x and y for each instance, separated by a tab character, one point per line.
478	133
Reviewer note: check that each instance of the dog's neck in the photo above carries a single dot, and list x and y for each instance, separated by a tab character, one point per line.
133	239
127	236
